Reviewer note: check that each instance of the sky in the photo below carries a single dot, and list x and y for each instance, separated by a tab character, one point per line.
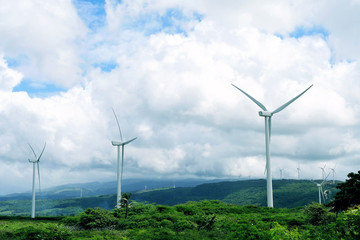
166	68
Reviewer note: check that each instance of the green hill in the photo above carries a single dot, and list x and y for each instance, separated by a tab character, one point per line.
287	194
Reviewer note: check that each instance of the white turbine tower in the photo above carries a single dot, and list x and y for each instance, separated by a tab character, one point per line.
321	192
121	143
35	162
267	115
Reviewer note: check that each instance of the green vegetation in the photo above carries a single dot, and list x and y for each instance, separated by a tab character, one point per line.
234	210
193	220
287	193
349	194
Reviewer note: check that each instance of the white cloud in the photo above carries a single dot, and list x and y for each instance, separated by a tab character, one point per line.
173	91
44	37
9	78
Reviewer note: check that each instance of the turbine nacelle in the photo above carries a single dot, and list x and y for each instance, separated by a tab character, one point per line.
265	114
116	143
34	161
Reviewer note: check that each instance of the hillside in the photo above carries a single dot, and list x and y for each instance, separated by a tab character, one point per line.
287	194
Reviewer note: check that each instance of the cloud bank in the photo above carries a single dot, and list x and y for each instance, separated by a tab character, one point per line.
167	68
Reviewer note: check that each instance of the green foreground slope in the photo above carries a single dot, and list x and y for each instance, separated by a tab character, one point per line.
193	220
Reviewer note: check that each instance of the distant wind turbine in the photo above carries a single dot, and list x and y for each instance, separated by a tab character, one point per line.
333	173
35	162
321	192
121	143
323	171
267	115
298	171
281	172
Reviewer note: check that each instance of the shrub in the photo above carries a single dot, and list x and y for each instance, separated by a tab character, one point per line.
317	214
96	218
183	224
353	220
41	232
187	210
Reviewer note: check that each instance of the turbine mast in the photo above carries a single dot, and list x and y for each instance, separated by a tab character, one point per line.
270	202
33	193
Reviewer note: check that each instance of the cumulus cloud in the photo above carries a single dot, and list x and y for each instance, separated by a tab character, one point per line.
9	78
43	39
167	68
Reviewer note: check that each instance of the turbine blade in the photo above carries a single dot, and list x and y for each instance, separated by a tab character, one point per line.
42	152
124	143
38	169
265	169
322	194
289	102
32	150
253	99
117	121
325	178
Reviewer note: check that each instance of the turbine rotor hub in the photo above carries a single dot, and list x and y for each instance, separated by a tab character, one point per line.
265	114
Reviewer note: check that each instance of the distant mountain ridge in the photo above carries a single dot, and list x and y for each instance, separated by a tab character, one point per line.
75	190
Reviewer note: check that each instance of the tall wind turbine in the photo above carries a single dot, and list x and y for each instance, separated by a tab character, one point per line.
121	143
267	115
35	162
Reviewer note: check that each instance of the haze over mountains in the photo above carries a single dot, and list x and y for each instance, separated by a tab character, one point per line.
100	188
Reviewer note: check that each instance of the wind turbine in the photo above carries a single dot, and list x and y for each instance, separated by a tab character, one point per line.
281	172
298	170
321	192
267	115
323	171
35	162
333	173
121	143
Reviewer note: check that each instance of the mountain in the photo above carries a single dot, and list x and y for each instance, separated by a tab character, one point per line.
287	194
76	190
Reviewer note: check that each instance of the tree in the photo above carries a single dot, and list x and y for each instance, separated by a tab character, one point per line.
317	214
349	194
125	202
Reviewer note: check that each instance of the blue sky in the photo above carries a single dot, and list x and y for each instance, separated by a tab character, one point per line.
167	68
